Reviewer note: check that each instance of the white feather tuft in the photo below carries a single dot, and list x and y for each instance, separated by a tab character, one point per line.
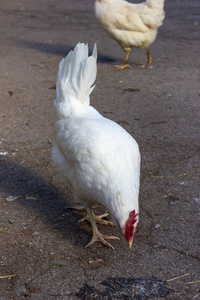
76	75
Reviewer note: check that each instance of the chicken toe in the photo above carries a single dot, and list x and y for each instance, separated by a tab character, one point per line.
98	219
98	237
122	67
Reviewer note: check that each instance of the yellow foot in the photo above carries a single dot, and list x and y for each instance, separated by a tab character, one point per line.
125	66
98	237
148	63
98	219
145	66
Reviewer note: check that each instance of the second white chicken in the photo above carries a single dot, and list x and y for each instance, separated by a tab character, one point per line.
131	25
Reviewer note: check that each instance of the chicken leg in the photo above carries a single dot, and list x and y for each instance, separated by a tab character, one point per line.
97	236
126	65
149	58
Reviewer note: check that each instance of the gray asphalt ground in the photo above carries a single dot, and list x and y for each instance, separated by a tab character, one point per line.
42	245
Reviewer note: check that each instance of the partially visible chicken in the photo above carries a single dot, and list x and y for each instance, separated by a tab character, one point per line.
131	25
99	158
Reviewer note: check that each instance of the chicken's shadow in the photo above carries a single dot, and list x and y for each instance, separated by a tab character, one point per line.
48	203
59	50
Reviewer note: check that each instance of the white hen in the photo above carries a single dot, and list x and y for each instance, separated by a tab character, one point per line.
131	25
99	158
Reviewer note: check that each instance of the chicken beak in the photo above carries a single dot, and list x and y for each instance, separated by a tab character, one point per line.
130	244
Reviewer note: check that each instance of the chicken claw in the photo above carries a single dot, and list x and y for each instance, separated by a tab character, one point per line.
98	219
98	237
122	67
125	65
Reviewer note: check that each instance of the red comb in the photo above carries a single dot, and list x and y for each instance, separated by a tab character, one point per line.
129	228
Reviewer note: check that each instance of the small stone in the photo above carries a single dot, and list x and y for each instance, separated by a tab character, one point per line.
4	153
173	202
35	233
156	246
157	226
165	229
11	221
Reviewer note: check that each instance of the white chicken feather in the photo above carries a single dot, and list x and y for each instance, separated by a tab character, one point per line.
131	24
98	157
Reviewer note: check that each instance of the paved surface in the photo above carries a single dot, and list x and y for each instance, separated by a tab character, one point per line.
42	246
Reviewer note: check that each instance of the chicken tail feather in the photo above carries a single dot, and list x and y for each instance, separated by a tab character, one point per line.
76	75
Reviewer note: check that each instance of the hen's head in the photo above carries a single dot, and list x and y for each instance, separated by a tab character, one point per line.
130	227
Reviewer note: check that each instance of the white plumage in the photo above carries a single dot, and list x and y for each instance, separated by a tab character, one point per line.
130	24
99	158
